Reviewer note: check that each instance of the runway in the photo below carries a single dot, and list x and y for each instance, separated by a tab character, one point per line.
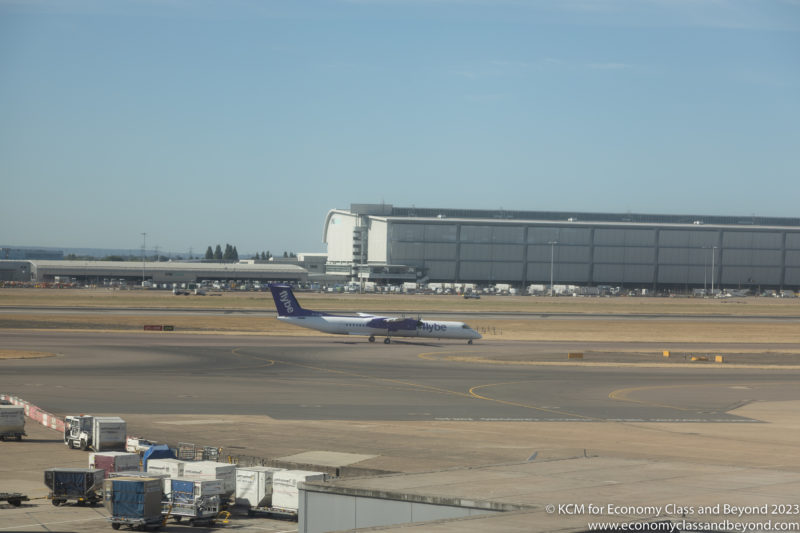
335	378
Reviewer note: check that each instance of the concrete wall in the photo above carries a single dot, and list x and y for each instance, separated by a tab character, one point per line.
328	511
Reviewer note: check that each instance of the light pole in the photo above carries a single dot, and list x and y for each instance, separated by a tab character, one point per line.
144	247
713	254
552	255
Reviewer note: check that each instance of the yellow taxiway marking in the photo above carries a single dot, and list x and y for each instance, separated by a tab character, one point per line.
235	351
430	388
518	404
622	394
414	386
433	356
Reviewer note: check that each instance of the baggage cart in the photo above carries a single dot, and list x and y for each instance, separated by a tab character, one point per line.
139	524
14	498
83	485
196	500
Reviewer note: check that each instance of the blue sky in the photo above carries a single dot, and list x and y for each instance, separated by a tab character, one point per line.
243	122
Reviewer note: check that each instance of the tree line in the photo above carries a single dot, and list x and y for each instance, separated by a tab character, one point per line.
230	253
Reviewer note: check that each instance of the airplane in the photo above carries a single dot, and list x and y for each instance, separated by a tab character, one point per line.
290	311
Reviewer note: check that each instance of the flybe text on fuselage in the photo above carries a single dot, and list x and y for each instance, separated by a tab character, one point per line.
430	327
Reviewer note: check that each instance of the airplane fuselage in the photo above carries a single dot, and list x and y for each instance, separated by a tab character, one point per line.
347	325
291	312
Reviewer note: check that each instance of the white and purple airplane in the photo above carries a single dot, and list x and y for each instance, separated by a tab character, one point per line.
289	310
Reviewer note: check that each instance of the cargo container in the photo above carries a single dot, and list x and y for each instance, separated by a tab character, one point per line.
114	461
254	486
133	501
285	495
197	500
12	422
84	485
168	466
213	470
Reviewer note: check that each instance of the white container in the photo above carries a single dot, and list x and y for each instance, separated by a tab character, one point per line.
213	470
108	433
12	419
284	487
254	485
114	461
170	467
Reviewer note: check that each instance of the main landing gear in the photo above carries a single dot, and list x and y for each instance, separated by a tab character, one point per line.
372	338
387	340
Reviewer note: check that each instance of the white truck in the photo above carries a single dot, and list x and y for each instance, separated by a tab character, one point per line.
100	433
12	422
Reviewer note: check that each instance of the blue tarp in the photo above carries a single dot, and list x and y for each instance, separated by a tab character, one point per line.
135	498
128	498
182	490
157	451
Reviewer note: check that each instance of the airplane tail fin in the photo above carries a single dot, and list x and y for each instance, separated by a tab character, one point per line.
286	303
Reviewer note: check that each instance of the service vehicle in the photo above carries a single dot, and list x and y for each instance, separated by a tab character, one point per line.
100	433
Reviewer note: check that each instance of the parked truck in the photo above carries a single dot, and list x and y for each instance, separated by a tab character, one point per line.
100	433
12	422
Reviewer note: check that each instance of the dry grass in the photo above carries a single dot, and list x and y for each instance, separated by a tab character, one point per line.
673	329
23	354
400	302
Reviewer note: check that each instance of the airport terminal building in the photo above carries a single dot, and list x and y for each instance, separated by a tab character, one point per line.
388	244
133	272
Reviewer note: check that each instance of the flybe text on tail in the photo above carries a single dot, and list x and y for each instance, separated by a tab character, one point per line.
287	303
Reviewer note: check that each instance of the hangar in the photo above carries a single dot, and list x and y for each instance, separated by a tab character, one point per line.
155	271
388	244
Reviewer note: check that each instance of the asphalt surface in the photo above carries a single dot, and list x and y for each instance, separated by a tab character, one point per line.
321	378
406	407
